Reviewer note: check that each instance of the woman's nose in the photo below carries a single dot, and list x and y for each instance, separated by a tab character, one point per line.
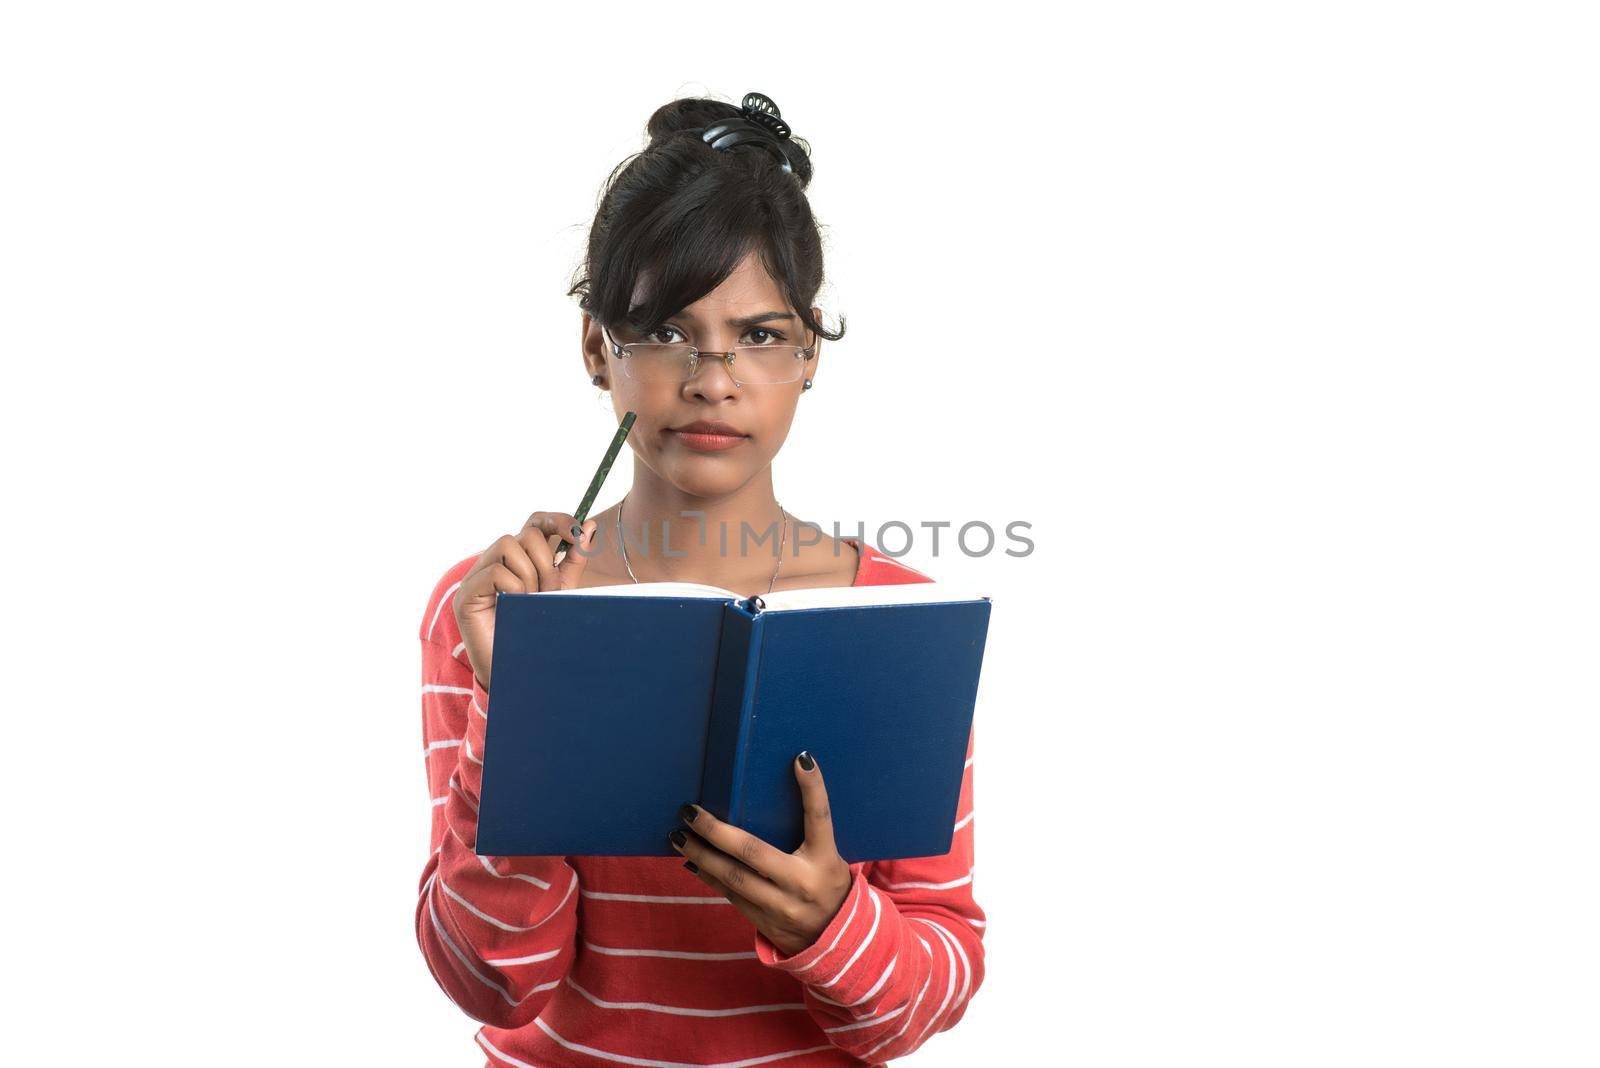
712	377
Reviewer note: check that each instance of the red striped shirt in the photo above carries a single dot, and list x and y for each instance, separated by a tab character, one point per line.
632	960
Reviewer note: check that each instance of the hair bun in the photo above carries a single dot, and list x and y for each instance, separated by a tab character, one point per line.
694	114
687	113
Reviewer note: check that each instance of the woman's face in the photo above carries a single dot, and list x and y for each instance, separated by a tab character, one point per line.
760	413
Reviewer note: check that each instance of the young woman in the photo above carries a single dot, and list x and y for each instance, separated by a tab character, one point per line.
703	261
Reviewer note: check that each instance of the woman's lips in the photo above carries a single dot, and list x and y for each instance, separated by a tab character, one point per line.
703	442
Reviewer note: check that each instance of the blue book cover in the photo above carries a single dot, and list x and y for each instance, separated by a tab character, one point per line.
610	707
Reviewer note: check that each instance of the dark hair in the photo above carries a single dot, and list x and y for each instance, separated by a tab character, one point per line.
683	215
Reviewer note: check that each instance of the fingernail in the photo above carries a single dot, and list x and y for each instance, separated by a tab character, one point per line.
691	865
687	813
678	838
577	532
806	763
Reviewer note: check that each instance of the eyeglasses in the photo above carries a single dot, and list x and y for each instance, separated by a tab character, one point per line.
766	364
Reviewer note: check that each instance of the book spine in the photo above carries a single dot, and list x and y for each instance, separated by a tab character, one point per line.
732	701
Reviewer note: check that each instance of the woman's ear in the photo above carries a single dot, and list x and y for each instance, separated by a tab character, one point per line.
593	343
816	347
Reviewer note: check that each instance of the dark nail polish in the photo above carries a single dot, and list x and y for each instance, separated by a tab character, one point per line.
691	865
806	763
678	838
577	532
687	813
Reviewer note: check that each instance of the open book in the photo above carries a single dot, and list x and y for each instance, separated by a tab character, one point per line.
611	706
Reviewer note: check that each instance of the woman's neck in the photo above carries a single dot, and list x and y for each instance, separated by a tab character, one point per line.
731	541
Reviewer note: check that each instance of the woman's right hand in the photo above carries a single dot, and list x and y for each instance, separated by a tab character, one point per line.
517	563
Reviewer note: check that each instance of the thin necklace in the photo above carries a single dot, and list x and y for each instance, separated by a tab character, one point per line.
782	539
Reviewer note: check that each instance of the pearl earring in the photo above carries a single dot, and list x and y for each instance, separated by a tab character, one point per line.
597	379
807	385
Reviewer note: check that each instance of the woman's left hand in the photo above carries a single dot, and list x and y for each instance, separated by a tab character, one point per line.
790	897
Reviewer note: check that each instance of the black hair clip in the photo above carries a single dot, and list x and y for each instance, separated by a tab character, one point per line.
758	123
759	108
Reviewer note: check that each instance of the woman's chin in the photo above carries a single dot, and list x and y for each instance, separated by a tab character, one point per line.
698	478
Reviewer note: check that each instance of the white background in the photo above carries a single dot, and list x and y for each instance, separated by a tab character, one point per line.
1277	322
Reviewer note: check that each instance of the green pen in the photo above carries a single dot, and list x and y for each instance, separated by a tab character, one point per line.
598	480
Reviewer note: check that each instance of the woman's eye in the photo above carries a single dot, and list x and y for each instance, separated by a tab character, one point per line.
770	333
658	335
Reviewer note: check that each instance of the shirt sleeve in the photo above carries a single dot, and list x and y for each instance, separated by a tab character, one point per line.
498	933
904	954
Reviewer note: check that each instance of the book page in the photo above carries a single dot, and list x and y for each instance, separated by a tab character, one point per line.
859	596
650	589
